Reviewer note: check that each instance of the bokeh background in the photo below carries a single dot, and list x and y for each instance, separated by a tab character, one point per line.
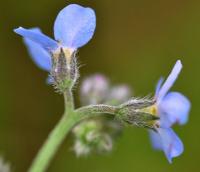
136	41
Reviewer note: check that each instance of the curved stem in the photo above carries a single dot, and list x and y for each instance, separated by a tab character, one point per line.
56	137
70	118
52	143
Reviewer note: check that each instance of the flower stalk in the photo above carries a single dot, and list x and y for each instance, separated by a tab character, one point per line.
97	109
69	119
52	144
56	137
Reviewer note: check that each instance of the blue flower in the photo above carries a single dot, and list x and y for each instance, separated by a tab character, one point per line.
73	28
171	107
166	139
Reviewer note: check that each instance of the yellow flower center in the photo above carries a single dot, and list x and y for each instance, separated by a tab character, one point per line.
152	110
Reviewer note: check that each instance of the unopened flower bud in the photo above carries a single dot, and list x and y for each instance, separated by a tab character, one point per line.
94	89
119	94
90	138
4	166
64	70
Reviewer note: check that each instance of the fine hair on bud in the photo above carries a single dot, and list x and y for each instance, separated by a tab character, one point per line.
134	112
139	103
64	72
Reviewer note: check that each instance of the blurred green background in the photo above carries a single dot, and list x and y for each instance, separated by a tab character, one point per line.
136	41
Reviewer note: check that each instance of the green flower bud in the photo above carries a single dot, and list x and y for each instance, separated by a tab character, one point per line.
91	138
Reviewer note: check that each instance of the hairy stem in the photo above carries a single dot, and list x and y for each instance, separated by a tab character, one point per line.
89	111
70	118
69	100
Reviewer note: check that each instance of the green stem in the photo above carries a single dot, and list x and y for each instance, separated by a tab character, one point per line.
69	100
52	144
96	109
56	137
70	118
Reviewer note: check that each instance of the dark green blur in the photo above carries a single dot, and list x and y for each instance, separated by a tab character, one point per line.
136	42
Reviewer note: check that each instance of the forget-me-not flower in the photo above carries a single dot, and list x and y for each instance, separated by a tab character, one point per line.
171	107
73	28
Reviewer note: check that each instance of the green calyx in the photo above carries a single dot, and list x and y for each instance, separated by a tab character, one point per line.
138	117
64	70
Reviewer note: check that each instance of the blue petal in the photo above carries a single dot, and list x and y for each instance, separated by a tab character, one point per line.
155	140
158	86
172	145
174	108
166	139
39	55
170	80
74	26
38	37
